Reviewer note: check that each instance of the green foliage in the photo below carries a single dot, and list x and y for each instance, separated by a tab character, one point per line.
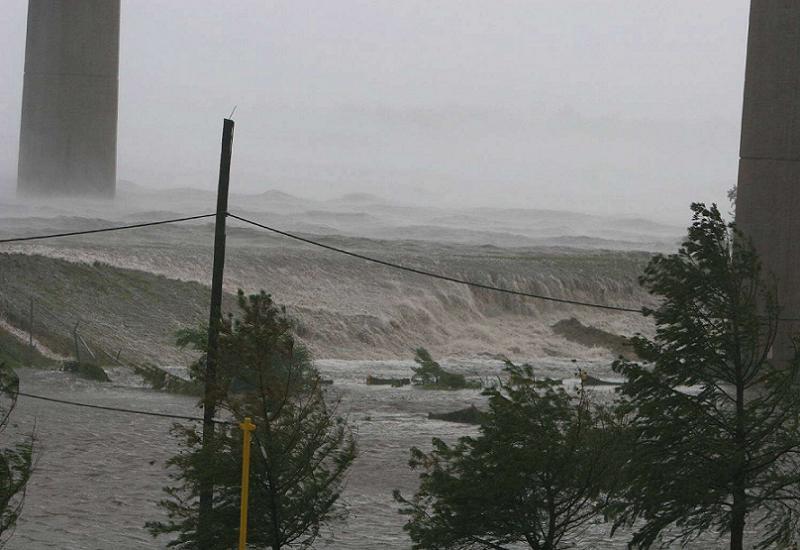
16	460
714	420
302	449
87	370
430	374
16	354
538	473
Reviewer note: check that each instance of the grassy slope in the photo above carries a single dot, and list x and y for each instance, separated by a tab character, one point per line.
116	309
16	354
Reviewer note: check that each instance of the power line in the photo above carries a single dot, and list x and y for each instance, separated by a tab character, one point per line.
354	255
116	409
437	275
105	229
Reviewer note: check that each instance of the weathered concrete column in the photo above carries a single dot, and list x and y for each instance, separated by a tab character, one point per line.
68	136
768	197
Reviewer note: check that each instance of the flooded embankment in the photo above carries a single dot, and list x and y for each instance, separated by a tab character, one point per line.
100	473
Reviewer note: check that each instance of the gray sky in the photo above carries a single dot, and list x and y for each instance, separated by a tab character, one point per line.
612	106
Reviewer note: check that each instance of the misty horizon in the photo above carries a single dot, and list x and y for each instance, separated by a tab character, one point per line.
598	107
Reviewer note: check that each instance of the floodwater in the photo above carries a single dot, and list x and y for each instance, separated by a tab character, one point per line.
100	473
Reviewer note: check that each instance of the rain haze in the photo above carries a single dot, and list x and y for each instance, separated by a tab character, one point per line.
591	106
446	283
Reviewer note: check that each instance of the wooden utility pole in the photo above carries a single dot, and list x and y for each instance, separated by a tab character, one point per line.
214	319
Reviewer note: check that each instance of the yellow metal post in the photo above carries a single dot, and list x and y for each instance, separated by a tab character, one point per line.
247	426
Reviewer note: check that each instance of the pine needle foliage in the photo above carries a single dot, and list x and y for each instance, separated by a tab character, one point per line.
539	472
302	449
16	458
715	421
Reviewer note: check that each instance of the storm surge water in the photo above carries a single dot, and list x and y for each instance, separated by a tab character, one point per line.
100	473
348	309
151	284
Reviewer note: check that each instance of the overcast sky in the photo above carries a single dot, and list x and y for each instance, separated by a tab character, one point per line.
594	105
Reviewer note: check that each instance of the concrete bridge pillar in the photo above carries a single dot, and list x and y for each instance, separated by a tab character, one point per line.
768	196
68	136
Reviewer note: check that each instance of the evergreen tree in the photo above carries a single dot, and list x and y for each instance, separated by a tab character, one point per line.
16	459
715	420
537	474
302	448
